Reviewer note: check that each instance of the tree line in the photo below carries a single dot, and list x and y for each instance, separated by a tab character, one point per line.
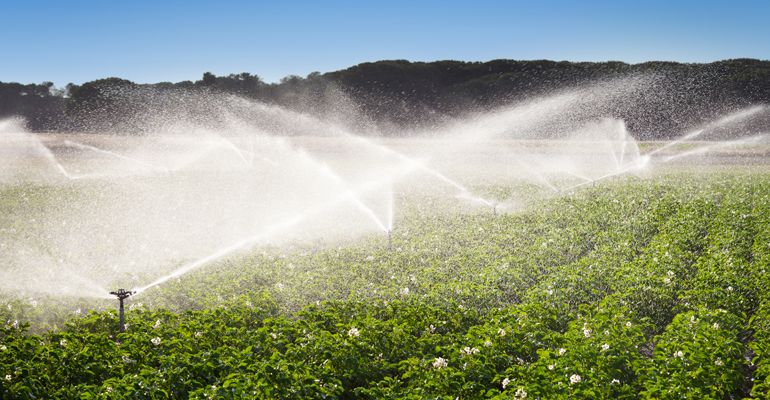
413	96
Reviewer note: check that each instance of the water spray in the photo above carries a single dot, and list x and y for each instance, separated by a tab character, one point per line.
122	295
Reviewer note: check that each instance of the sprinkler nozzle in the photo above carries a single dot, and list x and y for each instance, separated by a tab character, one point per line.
122	294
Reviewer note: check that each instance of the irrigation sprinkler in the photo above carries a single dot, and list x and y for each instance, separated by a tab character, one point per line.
390	239
122	295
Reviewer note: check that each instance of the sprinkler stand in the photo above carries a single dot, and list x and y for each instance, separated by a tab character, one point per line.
122	295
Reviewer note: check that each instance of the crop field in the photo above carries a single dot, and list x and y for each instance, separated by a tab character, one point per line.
644	286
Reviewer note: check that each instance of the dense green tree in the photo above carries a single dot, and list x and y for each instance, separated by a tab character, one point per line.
38	105
673	98
95	104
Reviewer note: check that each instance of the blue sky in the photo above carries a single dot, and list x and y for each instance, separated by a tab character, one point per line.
155	41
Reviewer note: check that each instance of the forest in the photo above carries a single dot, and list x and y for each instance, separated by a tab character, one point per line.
413	97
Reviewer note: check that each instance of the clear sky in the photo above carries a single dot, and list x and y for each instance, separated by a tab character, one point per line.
156	41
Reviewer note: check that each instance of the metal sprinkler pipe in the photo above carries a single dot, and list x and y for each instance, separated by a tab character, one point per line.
122	295
390	239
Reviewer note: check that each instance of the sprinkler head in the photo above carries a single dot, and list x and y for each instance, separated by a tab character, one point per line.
122	294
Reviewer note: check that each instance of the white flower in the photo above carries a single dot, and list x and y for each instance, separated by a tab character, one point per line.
615	382
586	332
520	394
248	304
729	288
678	354
462	307
549	291
7	377
605	347
487	343
157	325
353	332
506	381
280	286
716	325
155	341
63	342
606	332
439	363
670	273
34	303
574	379
519	361
430	329
125	326
562	351
108	389
501	332
198	334
469	351
77	312
628	324
15	324
551	367
666	280
693	319
405	291
719	361
3	347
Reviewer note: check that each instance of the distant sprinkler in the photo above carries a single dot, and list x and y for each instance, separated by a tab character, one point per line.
390	239
122	295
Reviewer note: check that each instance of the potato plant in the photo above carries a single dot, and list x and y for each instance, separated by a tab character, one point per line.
654	288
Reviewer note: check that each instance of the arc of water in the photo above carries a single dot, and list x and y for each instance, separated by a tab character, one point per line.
230	145
286	223
464	192
705	149
576	175
623	144
629	167
326	171
538	175
389	205
675	142
222	252
252	155
121	156
417	164
722	121
49	155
